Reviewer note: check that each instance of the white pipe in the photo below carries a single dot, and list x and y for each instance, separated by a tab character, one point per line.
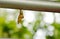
31	5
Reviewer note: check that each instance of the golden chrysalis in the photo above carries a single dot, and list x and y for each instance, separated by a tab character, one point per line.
20	17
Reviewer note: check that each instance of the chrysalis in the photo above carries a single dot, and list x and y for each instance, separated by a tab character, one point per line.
20	17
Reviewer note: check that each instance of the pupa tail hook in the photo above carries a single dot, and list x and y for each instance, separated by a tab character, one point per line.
20	17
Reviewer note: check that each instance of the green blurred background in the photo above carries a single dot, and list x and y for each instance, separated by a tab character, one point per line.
35	25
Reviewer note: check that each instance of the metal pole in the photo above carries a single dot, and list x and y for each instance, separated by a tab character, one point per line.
31	5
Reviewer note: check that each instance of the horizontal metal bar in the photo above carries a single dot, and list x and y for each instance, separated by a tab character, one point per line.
31	5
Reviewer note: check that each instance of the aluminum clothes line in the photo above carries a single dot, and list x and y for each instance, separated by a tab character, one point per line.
31	5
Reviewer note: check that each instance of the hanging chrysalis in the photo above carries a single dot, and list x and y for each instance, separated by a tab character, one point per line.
20	17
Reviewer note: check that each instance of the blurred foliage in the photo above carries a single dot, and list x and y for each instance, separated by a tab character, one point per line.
9	29
58	0
57	30
36	25
50	37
